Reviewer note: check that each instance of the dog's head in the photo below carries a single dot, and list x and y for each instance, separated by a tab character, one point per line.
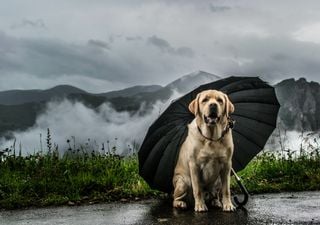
211	106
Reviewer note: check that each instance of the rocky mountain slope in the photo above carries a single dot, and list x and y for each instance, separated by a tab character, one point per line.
300	104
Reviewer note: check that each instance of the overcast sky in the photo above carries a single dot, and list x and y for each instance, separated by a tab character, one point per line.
103	45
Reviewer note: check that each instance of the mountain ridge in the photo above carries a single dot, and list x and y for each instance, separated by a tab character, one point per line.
191	81
299	99
125	92
17	97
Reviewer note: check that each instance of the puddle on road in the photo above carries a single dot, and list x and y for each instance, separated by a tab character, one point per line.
303	208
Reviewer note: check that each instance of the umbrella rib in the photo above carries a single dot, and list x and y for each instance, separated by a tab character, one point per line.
177	119
261	147
255	119
255	101
176	135
260	88
244	88
238	162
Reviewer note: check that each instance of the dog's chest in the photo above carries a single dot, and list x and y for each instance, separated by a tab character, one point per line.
212	152
211	159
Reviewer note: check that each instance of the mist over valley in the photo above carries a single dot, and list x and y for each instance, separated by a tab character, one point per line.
121	118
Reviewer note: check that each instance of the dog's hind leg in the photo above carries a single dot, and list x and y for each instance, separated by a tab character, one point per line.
180	193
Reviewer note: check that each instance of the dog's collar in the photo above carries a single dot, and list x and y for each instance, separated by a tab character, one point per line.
230	125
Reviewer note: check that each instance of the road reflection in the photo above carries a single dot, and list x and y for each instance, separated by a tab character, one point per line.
163	213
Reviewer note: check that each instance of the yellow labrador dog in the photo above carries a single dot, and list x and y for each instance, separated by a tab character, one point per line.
204	161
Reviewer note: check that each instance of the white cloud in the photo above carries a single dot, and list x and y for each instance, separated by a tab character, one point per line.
66	119
293	142
309	33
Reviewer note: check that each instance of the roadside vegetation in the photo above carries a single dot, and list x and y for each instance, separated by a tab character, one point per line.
272	172
285	169
47	179
85	176
81	175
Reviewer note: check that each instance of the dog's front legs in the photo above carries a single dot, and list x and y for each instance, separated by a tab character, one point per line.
200	205
226	195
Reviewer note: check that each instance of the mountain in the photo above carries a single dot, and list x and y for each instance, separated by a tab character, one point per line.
16	97
19	108
130	99
127	92
300	104
191	81
299	99
18	117
182	85
148	93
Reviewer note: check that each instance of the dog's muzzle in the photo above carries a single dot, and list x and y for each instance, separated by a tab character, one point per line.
213	117
211	120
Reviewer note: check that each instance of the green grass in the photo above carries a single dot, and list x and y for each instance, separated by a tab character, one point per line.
49	179
42	180
273	172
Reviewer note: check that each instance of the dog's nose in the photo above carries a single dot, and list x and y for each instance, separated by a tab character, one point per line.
213	108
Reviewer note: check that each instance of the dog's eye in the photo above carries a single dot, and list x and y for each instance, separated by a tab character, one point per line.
205	100
220	101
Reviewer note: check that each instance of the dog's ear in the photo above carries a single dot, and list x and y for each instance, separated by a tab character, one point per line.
194	105
229	105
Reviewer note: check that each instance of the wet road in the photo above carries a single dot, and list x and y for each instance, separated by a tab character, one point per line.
285	208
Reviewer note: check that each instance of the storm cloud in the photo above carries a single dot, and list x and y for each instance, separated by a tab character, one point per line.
52	59
38	23
49	57
164	46
101	46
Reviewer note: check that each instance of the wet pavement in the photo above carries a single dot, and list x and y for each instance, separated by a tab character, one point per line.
284	208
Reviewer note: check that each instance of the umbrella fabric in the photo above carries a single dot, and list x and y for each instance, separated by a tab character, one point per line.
256	109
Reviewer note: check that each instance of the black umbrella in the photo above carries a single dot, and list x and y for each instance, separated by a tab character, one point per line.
256	109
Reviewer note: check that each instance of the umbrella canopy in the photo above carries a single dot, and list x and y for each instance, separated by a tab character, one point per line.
256	109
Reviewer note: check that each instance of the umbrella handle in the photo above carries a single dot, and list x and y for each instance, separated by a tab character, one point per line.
243	189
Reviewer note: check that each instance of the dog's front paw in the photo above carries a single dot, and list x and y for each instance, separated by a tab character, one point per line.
200	207
179	204
228	207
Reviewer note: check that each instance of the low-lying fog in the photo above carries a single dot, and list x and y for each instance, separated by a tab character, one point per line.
90	128
87	128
